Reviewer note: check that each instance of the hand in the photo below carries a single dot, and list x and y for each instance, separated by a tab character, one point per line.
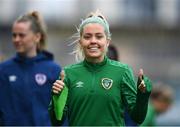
59	84
140	83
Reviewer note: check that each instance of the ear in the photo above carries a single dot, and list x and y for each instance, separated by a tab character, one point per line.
79	41
37	37
108	42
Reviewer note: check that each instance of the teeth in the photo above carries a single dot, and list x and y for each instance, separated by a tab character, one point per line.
93	48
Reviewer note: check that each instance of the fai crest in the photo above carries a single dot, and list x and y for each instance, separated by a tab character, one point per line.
40	79
107	83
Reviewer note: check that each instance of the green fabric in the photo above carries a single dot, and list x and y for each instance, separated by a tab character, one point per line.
138	113
59	103
94	101
150	117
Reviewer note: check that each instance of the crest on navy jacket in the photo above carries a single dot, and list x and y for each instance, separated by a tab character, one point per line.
40	78
107	83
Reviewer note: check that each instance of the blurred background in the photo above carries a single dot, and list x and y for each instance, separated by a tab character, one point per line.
145	32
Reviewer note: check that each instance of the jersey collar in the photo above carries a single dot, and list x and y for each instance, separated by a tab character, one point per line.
95	66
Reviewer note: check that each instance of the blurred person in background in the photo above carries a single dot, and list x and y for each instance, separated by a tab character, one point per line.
96	90
26	79
112	52
161	100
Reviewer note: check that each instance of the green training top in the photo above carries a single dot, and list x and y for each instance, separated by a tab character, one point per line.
98	94
150	117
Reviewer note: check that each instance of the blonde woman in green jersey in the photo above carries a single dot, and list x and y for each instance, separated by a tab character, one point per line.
95	91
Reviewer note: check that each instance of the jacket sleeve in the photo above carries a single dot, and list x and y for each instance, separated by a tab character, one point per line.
1	121
135	100
1	114
58	106
2	94
150	116
52	113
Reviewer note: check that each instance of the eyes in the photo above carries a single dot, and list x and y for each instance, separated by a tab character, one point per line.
21	35
90	36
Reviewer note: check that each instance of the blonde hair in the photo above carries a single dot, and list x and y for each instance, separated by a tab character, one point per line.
92	17
37	26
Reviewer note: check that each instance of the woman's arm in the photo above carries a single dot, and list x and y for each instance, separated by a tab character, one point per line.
135	98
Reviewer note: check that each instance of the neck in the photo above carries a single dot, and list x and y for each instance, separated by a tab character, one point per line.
95	60
29	55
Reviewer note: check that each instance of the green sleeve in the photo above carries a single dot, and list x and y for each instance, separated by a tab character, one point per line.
140	109
54	121
59	103
58	108
135	100
150	117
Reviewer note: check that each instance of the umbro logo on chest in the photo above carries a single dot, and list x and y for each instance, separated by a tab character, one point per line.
79	84
12	78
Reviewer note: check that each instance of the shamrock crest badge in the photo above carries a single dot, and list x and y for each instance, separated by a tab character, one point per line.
107	83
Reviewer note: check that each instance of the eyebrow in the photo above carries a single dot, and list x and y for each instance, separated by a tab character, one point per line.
91	33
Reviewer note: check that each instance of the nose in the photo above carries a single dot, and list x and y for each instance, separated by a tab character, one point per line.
93	39
16	38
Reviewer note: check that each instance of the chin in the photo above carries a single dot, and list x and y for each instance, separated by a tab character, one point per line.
94	56
19	51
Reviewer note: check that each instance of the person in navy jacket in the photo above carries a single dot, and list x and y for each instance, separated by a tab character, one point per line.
26	79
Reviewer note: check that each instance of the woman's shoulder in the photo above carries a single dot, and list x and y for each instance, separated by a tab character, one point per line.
7	66
74	66
118	64
7	63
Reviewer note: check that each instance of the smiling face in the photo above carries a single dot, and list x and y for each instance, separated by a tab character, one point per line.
24	39
94	42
